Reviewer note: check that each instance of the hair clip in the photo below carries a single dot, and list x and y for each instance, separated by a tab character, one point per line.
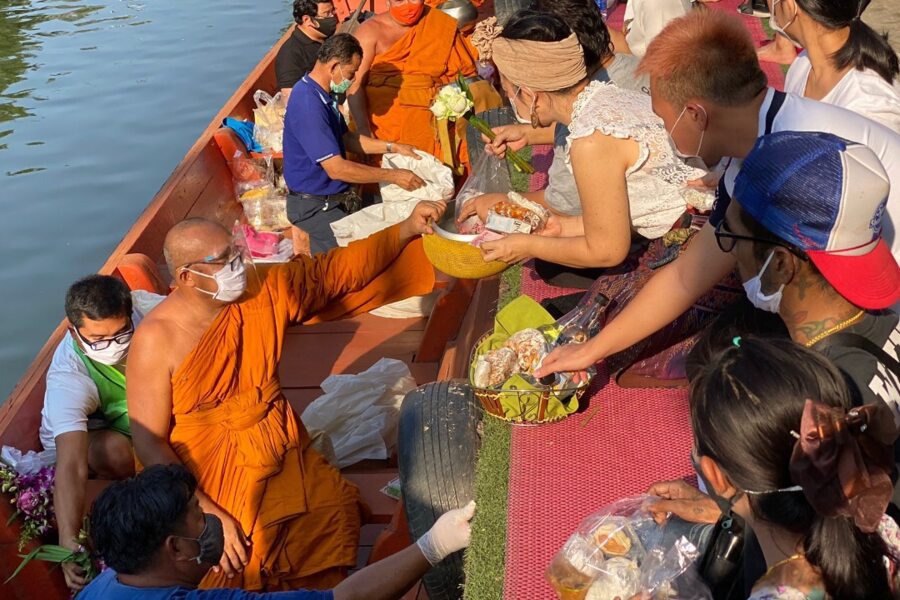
736	341
795	435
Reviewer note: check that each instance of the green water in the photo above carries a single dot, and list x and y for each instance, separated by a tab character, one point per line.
99	101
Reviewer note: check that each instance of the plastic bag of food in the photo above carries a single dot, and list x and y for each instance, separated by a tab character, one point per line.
251	174
268	120
619	552
437	176
516	214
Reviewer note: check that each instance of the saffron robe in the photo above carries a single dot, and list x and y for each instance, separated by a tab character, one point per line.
403	81
235	431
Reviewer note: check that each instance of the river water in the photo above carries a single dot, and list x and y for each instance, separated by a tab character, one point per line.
99	101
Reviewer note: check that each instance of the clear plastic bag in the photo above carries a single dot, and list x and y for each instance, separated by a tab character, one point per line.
582	322
268	120
489	175
620	552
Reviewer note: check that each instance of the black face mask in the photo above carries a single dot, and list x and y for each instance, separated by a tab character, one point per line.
211	541
725	504
327	25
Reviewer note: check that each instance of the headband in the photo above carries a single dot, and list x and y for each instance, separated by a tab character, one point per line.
538	66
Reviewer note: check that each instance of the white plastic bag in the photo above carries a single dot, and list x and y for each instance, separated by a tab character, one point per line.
437	176
359	413
268	120
29	463
369	220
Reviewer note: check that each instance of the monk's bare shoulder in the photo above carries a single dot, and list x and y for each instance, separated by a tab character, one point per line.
157	333
370	30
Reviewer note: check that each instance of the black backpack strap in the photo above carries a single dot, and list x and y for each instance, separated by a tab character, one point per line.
846	339
778	99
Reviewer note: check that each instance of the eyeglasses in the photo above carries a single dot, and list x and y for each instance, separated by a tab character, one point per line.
120	339
726	241
230	257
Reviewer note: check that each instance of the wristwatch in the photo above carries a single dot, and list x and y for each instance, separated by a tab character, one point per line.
390	146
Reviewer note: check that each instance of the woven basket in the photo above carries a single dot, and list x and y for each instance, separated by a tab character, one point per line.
529	402
453	254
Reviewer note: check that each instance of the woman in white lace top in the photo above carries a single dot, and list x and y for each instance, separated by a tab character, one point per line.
629	181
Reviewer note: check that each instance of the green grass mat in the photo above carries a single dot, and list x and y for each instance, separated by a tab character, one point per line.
486	556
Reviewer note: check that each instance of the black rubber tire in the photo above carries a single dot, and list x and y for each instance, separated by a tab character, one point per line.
439	438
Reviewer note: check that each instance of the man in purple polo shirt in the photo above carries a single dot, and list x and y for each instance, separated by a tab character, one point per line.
316	140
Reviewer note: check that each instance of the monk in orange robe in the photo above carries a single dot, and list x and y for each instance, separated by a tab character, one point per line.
409	53
203	391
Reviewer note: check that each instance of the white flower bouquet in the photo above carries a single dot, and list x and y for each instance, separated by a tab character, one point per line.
454	101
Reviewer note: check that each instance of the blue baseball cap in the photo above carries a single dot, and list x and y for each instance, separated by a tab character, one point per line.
826	196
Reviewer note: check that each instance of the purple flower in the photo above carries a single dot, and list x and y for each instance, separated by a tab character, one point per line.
28	500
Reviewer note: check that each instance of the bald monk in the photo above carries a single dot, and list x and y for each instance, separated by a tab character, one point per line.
409	54
203	391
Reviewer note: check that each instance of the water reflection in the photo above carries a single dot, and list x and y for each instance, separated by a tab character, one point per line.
99	101
20	42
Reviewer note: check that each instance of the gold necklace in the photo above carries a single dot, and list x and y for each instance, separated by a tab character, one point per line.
835	329
783	562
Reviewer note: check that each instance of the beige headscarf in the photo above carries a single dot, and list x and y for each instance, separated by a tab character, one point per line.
538	66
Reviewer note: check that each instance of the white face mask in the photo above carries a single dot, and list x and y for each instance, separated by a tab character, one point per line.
512	103
231	282
113	354
773	23
753	288
692	160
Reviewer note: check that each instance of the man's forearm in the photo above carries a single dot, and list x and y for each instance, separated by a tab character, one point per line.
387	579
68	501
353	172
364	144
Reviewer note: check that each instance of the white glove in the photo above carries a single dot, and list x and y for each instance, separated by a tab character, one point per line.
451	532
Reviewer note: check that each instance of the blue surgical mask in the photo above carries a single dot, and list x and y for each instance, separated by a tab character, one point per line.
343	86
753	287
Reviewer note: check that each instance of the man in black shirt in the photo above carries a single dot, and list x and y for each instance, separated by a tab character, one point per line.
806	232
315	22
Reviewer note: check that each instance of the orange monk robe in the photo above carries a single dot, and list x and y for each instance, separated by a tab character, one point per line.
403	81
236	432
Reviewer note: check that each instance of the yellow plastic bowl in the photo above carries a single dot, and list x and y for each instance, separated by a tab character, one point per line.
453	254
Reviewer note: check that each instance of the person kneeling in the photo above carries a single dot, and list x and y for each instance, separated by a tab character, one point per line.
316	141
85	417
158	543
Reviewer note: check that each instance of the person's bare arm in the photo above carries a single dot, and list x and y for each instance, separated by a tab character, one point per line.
356	95
606	216
285	95
68	496
364	144
149	394
670	292
341	169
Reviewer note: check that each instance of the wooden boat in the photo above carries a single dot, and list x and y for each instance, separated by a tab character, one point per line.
201	185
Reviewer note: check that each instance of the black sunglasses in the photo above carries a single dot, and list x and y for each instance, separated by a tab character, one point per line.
122	338
726	241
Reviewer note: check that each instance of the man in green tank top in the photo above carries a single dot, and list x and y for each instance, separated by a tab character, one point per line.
85	416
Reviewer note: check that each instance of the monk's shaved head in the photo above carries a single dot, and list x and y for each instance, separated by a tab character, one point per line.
194	240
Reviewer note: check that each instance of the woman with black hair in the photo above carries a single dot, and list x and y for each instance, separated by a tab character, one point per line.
776	439
845	62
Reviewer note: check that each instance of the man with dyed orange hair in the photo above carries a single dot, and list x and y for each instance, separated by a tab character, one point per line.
707	86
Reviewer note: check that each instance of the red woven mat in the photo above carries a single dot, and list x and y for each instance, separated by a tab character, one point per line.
626	440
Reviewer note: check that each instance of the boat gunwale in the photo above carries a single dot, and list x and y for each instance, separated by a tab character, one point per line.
37	369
